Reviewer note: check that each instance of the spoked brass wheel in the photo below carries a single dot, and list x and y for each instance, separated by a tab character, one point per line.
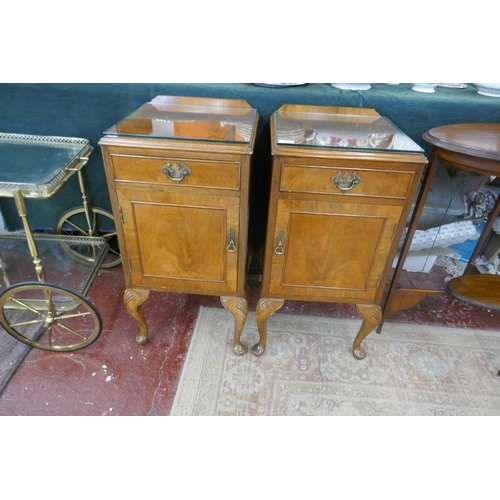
49	317
74	222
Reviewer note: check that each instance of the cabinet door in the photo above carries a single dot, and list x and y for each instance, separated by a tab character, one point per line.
330	250
180	241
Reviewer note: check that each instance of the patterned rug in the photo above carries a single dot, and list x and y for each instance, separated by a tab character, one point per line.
308	369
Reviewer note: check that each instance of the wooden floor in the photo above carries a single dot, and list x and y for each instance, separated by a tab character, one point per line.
115	376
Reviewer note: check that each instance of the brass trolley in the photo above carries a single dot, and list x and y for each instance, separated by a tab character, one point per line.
51	315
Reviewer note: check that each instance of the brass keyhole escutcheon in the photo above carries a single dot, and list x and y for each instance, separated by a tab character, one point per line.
280	243
231	240
175	172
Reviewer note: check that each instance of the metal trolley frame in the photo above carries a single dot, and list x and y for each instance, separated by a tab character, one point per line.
55	315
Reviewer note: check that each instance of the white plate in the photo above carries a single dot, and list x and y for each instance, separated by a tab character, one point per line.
278	85
352	86
488	89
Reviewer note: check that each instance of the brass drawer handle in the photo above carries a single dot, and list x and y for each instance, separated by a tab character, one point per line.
345	182
280	243
175	172
231	240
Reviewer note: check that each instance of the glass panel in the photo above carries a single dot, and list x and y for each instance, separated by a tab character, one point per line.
166	120
452	221
35	159
327	130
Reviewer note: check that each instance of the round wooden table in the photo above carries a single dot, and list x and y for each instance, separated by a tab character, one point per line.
470	146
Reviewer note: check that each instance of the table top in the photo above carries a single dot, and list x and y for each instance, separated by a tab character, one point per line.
479	289
481	140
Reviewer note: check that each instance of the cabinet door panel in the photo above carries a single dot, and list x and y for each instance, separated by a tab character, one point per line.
180	241
335	250
188	242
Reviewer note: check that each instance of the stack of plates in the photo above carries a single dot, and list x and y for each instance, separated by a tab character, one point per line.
453	85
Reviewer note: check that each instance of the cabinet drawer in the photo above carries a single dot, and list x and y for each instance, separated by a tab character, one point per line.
357	181
156	170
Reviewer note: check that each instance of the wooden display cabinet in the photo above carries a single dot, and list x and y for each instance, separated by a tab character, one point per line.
343	182
178	171
472	147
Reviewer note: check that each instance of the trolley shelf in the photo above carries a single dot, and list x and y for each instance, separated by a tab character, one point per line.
39	165
17	263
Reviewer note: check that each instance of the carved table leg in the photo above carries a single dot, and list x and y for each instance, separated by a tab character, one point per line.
133	300
264	309
238	306
372	315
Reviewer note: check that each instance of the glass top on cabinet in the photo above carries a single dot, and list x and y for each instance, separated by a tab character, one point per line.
340	131
203	119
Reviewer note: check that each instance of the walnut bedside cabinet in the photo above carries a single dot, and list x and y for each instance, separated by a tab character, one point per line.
342	187
178	172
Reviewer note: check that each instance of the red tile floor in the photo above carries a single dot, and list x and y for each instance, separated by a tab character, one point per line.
115	376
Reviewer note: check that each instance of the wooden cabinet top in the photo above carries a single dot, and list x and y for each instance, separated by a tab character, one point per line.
327	130
226	125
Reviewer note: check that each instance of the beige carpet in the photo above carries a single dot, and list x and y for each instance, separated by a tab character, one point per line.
308	369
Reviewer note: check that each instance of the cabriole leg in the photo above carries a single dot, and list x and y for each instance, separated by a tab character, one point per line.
238	307
264	309
133	300
372	315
